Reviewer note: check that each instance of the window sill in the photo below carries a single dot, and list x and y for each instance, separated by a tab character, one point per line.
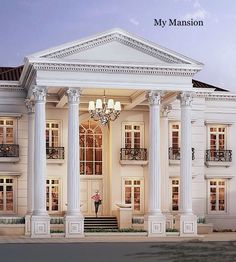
217	163
56	161
9	159
134	162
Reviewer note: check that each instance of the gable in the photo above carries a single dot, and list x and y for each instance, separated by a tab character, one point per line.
115	45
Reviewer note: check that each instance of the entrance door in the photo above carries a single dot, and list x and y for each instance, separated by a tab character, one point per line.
88	189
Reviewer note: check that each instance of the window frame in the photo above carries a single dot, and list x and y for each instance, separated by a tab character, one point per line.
217	211
209	135
171	133
50	211
142	200
14	126
141	125
171	194
14	184
59	122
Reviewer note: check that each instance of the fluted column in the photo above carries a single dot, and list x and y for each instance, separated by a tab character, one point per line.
155	219
40	219
74	222
188	225
165	189
30	166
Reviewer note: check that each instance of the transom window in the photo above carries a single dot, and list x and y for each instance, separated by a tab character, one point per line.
90	148
6	195
133	193
52	195
52	134
132	135
175	194
6	131
217	139
217	195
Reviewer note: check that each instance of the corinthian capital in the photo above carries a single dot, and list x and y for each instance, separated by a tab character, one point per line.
185	98
40	93
154	97
73	95
29	105
165	110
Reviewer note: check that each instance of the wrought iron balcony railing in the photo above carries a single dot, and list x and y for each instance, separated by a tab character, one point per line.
174	153
219	155
55	152
133	154
9	150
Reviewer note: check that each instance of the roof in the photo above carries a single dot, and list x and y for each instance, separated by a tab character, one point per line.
198	84
10	73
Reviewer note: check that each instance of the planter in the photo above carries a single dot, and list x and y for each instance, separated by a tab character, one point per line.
116	234
57	235
204	228
172	234
12	229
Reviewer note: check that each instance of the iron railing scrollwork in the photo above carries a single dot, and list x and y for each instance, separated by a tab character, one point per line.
219	155
55	152
133	154
174	153
9	150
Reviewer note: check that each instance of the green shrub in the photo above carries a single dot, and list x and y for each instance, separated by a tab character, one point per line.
172	230
125	230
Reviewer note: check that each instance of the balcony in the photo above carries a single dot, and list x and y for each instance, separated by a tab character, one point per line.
9	153
133	156
55	155
174	155
218	157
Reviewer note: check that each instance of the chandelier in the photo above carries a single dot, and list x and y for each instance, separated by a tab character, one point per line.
103	111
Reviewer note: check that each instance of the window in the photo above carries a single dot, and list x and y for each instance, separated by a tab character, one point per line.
175	194
217	195
133	193
6	131
133	135
52	134
90	148
174	150
217	140
6	195
52	195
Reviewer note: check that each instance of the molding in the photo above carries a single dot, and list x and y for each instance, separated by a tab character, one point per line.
11	86
128	41
218	122
115	68
216	176
5	114
209	96
2	173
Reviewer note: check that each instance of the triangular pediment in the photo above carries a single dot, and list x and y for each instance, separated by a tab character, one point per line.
115	45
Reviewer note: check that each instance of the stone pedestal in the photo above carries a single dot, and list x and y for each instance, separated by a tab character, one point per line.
156	225
124	217
74	226
40	226
27	225
188	225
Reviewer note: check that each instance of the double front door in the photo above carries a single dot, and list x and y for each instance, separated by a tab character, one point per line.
88	187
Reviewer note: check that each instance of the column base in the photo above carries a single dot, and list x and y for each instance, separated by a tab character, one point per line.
74	226
40	226
155	225
188	225
28	224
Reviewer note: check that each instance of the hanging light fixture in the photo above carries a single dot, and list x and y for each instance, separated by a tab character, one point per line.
103	111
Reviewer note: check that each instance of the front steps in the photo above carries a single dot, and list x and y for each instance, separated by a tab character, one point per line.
96	223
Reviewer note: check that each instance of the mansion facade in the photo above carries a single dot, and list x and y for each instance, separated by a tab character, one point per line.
168	157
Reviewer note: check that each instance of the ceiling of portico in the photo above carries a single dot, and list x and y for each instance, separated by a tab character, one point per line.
130	99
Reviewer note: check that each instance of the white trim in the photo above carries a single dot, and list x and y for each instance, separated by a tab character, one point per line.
6	114
133	123
219	176
218	122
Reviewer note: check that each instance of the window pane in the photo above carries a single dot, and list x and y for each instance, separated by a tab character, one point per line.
128	195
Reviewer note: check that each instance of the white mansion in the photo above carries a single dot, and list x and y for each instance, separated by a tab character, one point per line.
166	158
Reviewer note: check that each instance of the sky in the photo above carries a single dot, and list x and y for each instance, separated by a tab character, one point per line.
29	26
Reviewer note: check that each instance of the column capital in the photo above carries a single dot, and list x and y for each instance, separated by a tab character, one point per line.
154	97
165	110
185	98
73	95
29	105
40	93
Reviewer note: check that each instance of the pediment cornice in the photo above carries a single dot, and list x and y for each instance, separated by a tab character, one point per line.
128	41
116	68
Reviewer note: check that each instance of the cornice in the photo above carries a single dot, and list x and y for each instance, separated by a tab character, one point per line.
10	86
115	68
209	96
126	40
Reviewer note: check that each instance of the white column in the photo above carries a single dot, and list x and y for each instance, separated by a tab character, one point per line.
155	219
40	222
30	166
188	221
166	186
74	221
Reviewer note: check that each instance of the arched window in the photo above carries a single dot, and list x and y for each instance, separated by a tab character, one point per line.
90	148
